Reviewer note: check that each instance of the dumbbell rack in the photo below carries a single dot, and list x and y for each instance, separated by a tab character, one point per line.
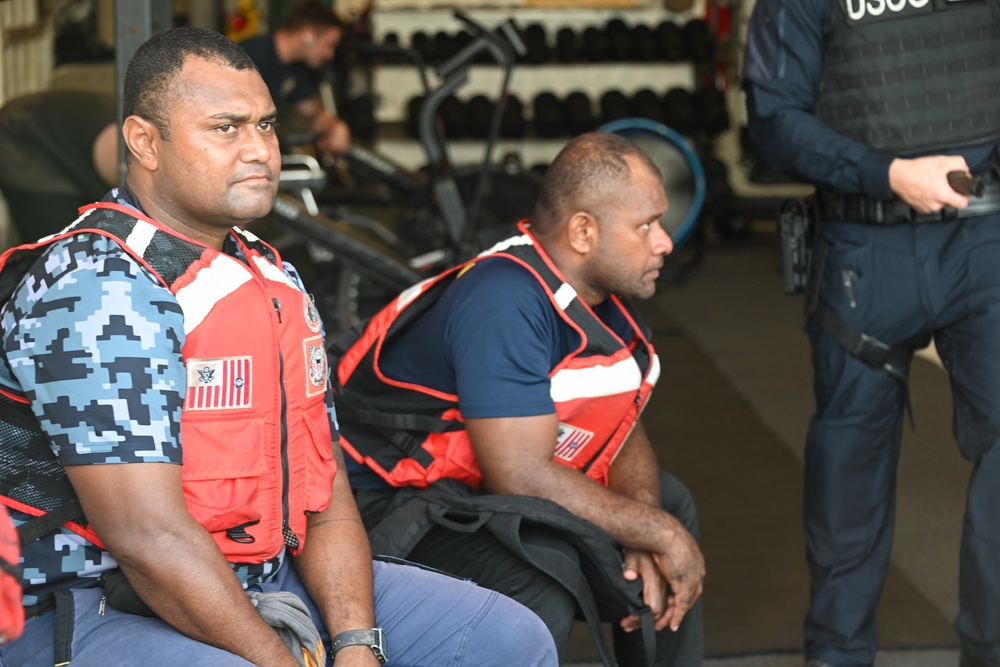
394	85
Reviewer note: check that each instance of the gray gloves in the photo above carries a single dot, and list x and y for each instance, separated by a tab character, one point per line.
290	618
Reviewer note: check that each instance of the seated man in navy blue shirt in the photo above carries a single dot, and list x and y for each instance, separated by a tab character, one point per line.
287	60
537	369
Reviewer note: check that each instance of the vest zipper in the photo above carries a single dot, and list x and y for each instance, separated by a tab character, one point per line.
291	540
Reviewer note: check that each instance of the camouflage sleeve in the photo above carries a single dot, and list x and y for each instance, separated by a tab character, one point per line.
94	342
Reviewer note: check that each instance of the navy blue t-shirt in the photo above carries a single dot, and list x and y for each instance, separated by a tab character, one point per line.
492	338
288	83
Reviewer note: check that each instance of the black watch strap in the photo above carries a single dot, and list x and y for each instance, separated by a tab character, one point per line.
373	639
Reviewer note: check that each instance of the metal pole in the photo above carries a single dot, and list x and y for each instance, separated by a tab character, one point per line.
135	22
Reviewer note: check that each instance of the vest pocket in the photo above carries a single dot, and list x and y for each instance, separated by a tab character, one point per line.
222	483
321	467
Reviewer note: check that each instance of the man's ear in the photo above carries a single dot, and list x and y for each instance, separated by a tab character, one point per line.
142	140
582	232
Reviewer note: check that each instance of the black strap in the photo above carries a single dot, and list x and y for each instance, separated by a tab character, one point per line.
893	359
13	570
407	433
351	404
64	623
35	528
47	604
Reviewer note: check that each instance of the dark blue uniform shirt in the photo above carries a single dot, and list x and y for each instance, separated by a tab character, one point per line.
782	69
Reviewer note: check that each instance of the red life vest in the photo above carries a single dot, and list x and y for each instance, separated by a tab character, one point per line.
257	444
11	611
413	435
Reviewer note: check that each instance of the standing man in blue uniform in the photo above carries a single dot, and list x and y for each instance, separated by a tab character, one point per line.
288	60
876	103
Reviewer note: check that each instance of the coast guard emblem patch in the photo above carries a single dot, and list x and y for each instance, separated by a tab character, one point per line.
316	365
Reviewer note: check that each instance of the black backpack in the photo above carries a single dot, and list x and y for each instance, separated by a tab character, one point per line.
598	577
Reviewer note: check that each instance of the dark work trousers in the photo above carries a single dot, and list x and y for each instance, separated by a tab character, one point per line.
483	559
902	284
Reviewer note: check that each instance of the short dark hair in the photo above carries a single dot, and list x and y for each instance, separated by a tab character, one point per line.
588	166
312	14
157	62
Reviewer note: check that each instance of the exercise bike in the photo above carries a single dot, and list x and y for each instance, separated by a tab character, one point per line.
357	261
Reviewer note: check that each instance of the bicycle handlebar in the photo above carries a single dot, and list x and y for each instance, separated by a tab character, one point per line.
502	49
508	29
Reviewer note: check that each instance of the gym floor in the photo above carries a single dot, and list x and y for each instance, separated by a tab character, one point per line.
729	417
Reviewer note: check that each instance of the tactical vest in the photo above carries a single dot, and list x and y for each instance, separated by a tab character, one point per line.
912	75
413	435
257	445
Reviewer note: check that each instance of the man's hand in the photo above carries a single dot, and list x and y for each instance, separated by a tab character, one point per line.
683	566
335	136
332	133
671	582
655	589
923	182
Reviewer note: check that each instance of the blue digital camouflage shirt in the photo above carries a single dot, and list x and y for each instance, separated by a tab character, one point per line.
94	341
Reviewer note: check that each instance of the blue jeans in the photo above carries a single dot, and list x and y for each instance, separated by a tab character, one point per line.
431	620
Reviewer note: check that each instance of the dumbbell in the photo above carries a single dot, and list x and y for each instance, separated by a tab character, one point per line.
614	106
480	110
595	44
580	116
712	109
412	115
360	117
700	41
567	46
680	111
460	40
444	46
423	45
644	44
619	40
512	123
670	41
548	115
536	44
454	117
389	39
720	198
647	104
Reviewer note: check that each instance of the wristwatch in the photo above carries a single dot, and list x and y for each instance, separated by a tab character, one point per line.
373	639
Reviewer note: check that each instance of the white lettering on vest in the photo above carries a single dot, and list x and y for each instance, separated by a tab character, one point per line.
858	9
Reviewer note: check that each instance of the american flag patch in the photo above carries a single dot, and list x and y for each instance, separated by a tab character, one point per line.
218	384
570	441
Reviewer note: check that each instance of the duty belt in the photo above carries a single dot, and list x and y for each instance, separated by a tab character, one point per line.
859	208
